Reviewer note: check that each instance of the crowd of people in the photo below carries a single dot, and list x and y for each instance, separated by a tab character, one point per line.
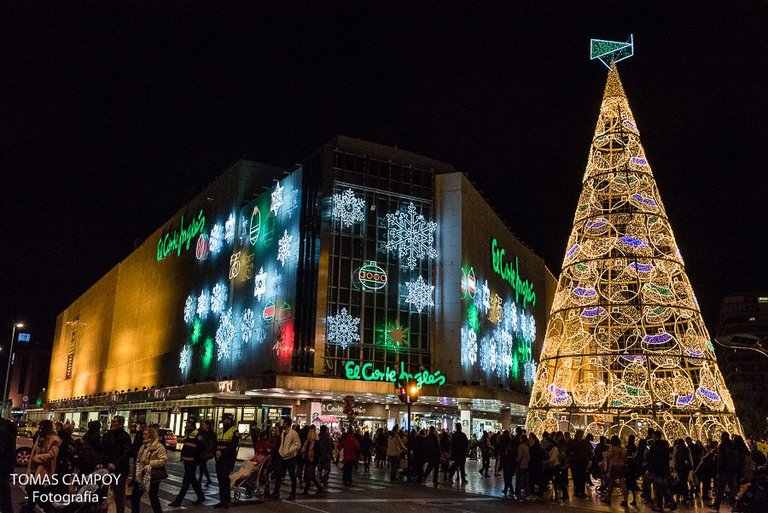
663	473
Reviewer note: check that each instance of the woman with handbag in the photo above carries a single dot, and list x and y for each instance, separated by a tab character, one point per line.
150	470
42	461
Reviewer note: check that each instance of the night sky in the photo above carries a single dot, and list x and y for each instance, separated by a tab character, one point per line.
114	114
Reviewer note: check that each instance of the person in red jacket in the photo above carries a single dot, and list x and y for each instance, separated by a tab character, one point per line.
351	447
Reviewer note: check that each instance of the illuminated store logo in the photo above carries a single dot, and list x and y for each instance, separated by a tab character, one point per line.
510	273
371	276
468	283
180	238
255	231
367	372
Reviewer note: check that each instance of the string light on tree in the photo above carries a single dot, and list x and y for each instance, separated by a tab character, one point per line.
343	329
348	208
625	337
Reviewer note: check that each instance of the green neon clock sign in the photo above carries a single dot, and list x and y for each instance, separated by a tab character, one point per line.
180	238
510	272
367	372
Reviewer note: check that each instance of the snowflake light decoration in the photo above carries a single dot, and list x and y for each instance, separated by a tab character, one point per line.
486	297
189	309
203	304
277	198
216	240
529	373
243	230
468	346
419	294
348	208
343	329
225	335
260	284
229	229
184	359
284	247
218	298
246	325
412	236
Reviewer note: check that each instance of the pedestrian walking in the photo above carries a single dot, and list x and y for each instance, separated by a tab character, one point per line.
310	453
227	442
728	466
42	460
208	451
150	471
288	450
366	446
191	457
485	454
459	450
579	454
395	450
116	454
350	446
325	447
615	470
433	454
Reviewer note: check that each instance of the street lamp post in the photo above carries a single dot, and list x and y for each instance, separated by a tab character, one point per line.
8	369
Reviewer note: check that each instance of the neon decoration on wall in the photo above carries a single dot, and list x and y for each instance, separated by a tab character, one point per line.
411	236
218	298
201	248
234	265
269	311
367	372
180	238
189	309
510	273
277	198
420	294
225	335
255	230
343	329
371	276
260	284
203	304
468	283
229	229
284	248
216	240
348	208
394	337
468	346
247	324
184	359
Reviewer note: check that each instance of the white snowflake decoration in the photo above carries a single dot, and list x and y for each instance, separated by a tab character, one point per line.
419	294
343	329
468	346
348	208
244	230
229	229
218	298
184	358
246	325
216	240
225	335
412	236
260	284
203	304
273	285
277	198
529	373
486	297
189	309
284	247
485	353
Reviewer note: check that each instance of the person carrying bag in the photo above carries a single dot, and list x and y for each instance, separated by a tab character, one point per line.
150	471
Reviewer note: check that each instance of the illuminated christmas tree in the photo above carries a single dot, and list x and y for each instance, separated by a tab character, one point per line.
626	347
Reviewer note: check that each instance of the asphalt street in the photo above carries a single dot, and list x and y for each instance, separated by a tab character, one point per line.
375	494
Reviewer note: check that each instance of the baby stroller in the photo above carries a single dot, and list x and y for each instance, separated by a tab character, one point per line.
754	497
89	498
252	478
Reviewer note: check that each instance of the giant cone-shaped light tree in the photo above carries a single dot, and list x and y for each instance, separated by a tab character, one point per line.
626	348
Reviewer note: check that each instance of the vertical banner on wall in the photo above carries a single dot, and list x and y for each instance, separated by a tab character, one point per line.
315	409
466	420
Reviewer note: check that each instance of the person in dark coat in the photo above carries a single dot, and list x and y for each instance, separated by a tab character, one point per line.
579	453
8	432
459	448
366	447
728	466
208	451
89	448
227	442
116	454
191	455
659	455
432	454
445	453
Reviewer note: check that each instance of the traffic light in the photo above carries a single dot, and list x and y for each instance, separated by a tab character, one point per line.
407	392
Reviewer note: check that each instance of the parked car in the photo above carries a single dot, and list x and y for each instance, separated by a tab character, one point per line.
23	450
28	429
168	438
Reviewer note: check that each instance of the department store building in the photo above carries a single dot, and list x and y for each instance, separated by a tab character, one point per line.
278	292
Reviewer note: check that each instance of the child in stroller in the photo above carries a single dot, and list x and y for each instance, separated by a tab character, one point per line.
91	497
252	478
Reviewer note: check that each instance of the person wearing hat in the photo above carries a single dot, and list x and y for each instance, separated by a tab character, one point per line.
227	440
191	456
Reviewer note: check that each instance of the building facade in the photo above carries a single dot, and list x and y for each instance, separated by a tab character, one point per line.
743	323
281	292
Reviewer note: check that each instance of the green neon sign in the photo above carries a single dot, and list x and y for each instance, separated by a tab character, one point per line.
181	237
510	273
367	372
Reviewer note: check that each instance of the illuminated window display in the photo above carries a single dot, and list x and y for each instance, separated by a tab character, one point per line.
626	347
